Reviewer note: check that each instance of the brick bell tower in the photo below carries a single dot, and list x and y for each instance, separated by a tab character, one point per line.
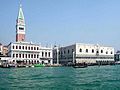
20	26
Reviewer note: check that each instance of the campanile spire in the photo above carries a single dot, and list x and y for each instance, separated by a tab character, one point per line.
20	26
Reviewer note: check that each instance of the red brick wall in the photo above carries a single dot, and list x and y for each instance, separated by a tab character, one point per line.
20	37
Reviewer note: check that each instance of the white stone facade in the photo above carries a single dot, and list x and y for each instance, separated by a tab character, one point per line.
46	55
28	53
80	53
5	60
1	49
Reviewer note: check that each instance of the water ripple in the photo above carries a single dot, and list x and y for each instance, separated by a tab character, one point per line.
61	78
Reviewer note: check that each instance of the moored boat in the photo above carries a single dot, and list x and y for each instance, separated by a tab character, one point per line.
80	65
39	65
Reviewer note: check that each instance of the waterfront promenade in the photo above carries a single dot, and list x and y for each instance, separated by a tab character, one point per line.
61	78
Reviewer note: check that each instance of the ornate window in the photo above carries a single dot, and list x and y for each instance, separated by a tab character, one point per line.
37	48
101	51
106	52
80	50
37	56
26	47
68	51
16	47
26	56
111	52
19	47
19	55
21	28
31	48
16	55
22	47
13	46
92	50
42	54
49	54
23	55
86	50
45	54
31	55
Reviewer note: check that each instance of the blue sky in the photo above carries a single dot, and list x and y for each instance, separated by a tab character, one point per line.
63	22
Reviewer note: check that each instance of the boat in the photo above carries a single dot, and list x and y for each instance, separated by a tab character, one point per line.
80	65
39	65
26	66
32	66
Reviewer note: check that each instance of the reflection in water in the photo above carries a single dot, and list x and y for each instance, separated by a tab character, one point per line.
61	78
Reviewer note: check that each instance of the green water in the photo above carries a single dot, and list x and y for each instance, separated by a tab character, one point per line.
61	78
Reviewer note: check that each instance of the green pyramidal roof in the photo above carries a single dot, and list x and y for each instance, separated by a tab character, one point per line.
20	14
